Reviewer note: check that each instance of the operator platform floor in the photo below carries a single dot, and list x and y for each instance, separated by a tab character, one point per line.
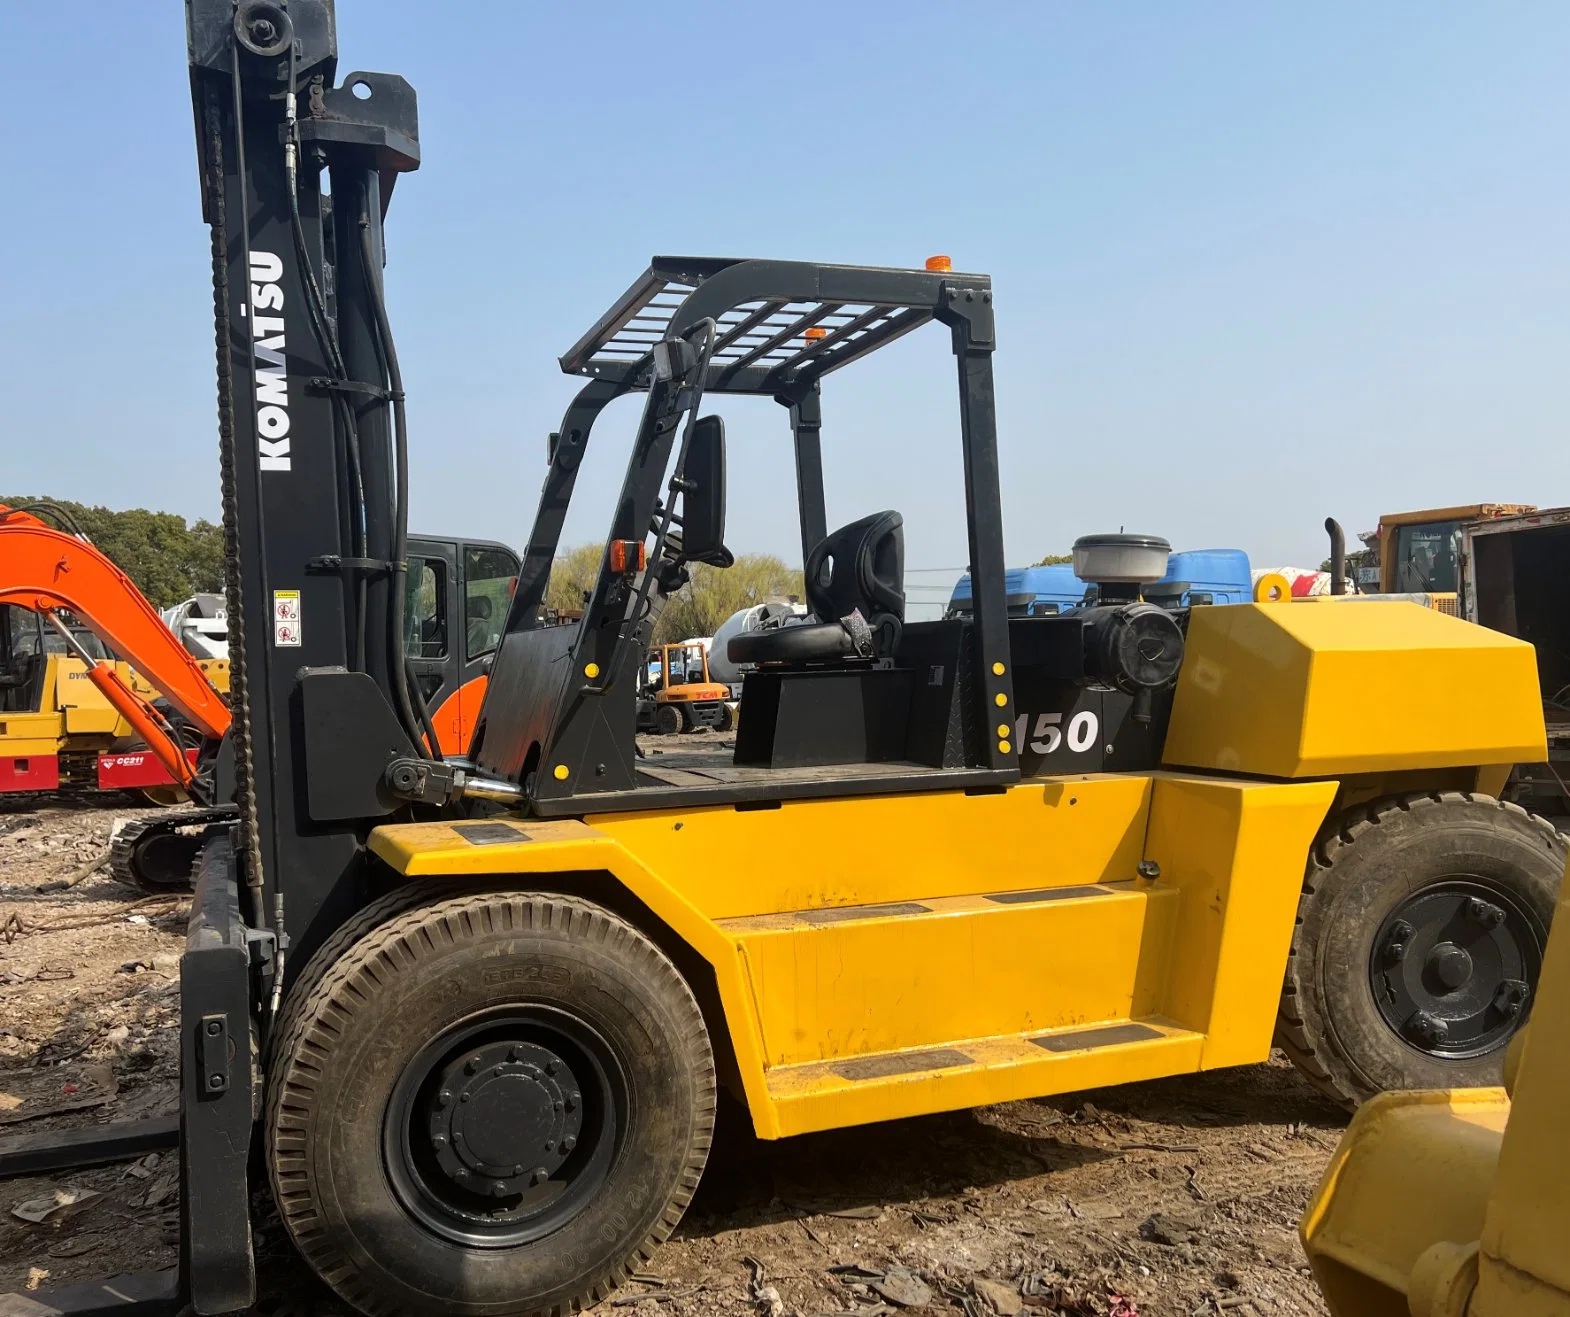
709	763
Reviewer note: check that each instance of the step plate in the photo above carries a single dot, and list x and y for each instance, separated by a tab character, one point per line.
835	984
978	1072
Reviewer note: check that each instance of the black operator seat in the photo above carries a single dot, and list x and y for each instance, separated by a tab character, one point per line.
856	590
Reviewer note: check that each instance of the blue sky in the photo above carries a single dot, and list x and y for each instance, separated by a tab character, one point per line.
1254	263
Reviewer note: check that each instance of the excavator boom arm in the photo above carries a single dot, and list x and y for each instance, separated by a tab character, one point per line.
45	570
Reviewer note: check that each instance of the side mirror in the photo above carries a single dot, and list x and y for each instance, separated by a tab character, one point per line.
703	500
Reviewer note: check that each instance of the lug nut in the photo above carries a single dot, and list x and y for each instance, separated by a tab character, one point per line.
1511	997
553	1066
1396	940
444	1097
539	1175
499	1189
1428	1028
572	1101
514	1052
569	1143
439	1140
1484	912
472	1065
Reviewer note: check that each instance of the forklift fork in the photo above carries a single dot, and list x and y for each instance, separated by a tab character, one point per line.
216	1272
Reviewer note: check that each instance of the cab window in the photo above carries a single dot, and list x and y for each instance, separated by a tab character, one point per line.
1426	558
490	574
425	609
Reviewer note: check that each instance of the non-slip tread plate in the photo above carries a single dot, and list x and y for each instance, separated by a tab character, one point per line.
900	1063
1107	1035
841	913
490	834
1047	894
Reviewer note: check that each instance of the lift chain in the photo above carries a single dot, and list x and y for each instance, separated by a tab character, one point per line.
249	849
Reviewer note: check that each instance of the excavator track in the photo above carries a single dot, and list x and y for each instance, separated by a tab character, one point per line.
157	852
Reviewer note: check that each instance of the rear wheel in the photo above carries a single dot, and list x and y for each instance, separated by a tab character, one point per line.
1419	938
496	1103
667	720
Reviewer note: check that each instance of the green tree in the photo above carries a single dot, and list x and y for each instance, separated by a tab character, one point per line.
168	559
1052	559
572	576
714	593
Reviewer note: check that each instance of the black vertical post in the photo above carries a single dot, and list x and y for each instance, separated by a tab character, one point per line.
296	351
289	478
968	310
806	427
356	192
555	497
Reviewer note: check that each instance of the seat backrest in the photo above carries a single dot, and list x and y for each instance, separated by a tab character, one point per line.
859	567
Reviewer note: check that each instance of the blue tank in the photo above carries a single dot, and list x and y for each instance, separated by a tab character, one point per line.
1032	591
1203	576
1194	576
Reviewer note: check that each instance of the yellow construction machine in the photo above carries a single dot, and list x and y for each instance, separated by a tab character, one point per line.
58	729
680	696
1419	553
472	1014
1456	1202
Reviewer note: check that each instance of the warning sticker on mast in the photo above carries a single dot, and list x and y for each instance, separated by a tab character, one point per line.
286	619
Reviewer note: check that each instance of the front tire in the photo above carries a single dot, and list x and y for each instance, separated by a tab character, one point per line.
498	1103
1419	937
668	720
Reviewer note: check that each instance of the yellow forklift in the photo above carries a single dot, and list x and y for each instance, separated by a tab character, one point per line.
472	1014
680	696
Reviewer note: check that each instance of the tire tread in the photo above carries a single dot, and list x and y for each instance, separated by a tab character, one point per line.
368	946
1316	1059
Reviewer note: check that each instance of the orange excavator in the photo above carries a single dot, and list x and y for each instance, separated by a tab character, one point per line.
59	575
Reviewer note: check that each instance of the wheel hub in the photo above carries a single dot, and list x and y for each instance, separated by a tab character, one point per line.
504	1126
1452	965
504	1118
1448	966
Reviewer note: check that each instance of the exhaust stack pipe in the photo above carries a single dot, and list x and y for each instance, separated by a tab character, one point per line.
1337	556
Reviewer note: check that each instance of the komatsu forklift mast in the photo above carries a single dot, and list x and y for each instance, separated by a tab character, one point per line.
296	171
296	174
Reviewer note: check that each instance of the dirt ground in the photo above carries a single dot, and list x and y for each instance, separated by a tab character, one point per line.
1170	1198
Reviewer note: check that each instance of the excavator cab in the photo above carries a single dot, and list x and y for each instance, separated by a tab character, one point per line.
457	594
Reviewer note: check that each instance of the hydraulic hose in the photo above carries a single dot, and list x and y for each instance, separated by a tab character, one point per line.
320	327
404	689
59	515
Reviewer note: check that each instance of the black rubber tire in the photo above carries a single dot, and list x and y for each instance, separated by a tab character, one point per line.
1359	872
371	1004
668	720
727	718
